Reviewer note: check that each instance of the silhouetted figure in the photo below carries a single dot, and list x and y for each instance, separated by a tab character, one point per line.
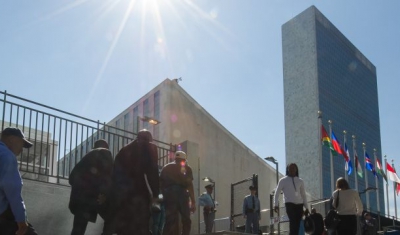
177	187
91	183
132	194
369	225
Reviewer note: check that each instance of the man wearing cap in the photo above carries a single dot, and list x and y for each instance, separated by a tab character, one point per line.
136	185
208	204
251	211
12	207
176	181
91	182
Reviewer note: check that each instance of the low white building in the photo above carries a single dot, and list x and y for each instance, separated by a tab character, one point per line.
212	150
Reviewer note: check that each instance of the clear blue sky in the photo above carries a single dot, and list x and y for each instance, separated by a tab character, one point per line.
85	55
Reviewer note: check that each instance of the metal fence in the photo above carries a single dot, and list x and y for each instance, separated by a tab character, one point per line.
238	191
60	139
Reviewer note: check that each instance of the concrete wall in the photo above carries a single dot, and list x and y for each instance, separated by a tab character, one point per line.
221	156
47	209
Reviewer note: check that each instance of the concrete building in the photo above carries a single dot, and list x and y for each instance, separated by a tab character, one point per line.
324	71
212	150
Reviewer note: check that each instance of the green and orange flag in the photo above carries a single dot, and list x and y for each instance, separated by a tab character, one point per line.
326	140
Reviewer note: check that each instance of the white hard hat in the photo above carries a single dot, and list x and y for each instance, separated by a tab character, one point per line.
180	155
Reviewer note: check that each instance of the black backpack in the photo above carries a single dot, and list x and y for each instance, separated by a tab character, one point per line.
332	218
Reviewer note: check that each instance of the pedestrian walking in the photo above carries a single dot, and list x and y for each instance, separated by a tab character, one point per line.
176	182
13	219
294	197
91	183
136	185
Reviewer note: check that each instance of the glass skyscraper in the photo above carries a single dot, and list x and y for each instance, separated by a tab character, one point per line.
323	71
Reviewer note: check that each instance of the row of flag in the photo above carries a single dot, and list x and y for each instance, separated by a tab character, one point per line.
336	149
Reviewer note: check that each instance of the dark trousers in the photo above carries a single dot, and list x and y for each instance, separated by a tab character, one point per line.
209	218
133	216
347	225
252	222
8	225
81	222
176	203
294	212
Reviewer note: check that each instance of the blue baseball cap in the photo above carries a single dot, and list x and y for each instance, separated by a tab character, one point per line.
13	131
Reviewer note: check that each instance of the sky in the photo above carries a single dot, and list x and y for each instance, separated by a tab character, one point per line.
83	56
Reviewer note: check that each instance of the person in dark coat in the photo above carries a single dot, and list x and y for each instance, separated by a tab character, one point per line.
91	183
136	184
369	225
318	222
176	182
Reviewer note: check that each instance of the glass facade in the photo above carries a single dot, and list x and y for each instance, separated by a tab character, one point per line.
348	96
324	71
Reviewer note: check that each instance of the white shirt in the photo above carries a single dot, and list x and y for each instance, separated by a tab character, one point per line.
293	191
349	202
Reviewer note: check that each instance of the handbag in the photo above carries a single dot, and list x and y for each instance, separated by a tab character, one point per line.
332	218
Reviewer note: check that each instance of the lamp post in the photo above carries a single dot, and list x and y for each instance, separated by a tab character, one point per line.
150	120
273	160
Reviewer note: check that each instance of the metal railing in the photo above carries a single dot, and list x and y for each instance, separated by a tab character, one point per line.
60	139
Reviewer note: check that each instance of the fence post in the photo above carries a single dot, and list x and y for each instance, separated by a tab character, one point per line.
4	109
232	209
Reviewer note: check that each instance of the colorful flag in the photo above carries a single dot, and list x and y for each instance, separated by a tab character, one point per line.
348	167
335	144
326	140
357	165
369	165
380	169
397	189
391	173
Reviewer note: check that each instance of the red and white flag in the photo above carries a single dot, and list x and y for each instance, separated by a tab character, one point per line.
391	173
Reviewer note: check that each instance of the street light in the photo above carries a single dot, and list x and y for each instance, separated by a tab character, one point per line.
273	160
367	189
150	120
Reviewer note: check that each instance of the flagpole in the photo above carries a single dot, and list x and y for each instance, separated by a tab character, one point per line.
345	163
366	176
331	159
355	162
377	185
320	152
394	194
387	189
